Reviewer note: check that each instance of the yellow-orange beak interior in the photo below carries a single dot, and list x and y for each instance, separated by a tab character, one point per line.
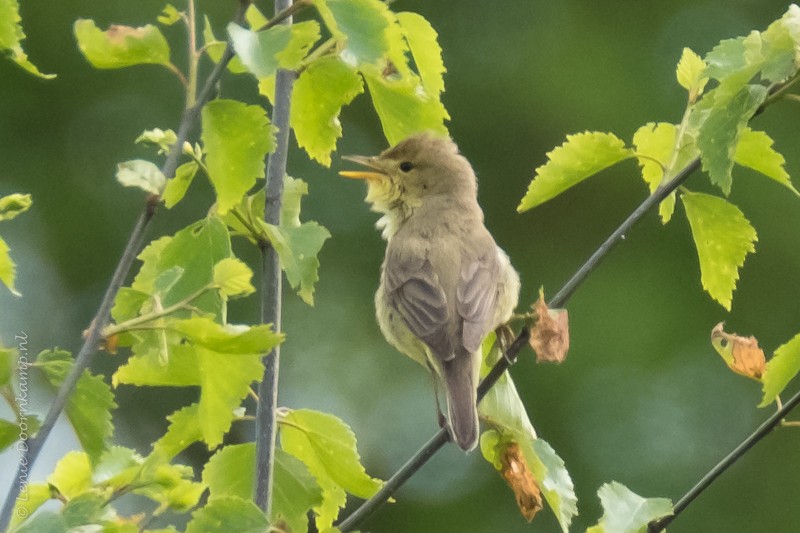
361	175
369	175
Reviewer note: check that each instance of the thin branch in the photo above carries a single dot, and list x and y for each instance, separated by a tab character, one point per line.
271	281
762	431
94	336
82	360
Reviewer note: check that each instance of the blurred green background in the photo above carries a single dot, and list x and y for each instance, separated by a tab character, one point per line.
642	398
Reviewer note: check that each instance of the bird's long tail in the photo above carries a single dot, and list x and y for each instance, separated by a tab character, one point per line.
461	381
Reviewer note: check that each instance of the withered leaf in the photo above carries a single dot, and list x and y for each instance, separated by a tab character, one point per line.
741	354
516	473
550	333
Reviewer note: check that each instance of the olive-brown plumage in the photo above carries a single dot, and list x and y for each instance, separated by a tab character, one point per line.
445	284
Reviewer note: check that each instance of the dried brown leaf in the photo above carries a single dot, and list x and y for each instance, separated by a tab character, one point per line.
516	473
741	354
550	333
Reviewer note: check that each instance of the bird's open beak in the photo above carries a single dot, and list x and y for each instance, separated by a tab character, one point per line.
369	162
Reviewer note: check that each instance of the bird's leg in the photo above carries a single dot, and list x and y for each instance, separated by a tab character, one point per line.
440	418
505	337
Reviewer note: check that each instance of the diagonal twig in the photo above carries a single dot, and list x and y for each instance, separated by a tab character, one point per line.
762	431
34	445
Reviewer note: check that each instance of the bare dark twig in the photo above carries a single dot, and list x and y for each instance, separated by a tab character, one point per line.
271	281
93	336
762	431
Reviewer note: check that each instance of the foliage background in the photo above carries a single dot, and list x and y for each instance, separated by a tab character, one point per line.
642	399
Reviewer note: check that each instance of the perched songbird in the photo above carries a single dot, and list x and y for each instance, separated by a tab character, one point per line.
445	284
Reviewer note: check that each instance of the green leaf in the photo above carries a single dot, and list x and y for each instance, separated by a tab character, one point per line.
691	73
55	364
319	94
293	192
295	492
754	150
14	204
72	475
781	369
84	510
327	446
32	496
403	108
169	15
222	360
655	145
281	46
236	138
627	512
232	277
723	237
226	515
117	468
11	37
89	411
228	338
229	472
184	429
8	269
719	133
580	157
225	381
254	17
179	369
297	249
193	250
142	174
735	61
362	24
423	41
176	188
121	46
172	486
88	407
778	44
164	139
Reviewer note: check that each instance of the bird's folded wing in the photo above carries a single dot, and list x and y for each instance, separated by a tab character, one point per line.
477	296
414	291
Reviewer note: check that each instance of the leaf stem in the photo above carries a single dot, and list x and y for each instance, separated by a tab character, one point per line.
318	52
194	57
175	70
252	229
115	329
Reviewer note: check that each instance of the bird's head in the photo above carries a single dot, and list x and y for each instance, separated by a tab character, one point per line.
414	171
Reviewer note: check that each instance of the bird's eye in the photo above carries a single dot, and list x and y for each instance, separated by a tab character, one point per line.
406	166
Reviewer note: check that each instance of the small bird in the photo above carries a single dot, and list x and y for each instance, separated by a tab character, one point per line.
445	283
